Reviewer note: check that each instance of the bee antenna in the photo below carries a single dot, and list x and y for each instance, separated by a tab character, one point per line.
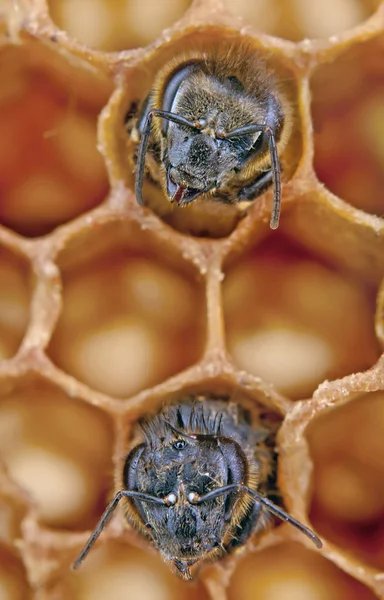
107	516
163	114
275	510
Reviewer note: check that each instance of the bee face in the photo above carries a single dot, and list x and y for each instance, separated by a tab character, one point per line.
180	471
193	485
196	163
200	159
186	457
218	123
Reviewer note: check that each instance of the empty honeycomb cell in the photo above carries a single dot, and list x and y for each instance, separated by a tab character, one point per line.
347	101
13	579
297	19
205	216
293	320
113	568
347	448
116	24
290	572
16	288
144	324
50	444
50	168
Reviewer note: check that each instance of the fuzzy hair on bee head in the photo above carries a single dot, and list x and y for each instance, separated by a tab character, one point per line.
235	81
246	64
242	61
184	420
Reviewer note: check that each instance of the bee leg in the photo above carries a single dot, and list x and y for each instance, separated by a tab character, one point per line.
253	522
257	187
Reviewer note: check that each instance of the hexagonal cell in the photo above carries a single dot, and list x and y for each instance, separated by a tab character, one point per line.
347	101
347	448
50	444
116	24
13	578
113	568
225	411
289	571
215	408
50	168
214	216
16	288
297	19
146	318
294	320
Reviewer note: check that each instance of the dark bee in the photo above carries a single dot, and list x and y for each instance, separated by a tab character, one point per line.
213	125
193	486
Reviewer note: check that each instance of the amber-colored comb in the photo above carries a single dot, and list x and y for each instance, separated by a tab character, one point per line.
109	309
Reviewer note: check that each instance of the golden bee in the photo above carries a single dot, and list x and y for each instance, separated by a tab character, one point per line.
196	484
214	125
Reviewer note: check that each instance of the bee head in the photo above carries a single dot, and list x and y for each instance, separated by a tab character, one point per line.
198	158
181	470
189	488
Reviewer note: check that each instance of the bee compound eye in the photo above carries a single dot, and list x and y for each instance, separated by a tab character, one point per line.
193	497
170	499
179	444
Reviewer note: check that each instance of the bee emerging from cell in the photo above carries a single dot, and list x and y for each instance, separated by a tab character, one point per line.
196	483
213	126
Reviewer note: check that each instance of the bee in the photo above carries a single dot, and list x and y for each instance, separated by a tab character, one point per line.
195	484
213	124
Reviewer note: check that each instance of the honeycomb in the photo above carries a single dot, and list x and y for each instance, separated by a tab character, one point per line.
108	310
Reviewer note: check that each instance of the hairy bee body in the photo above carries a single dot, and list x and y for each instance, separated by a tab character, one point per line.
219	122
195	483
187	534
